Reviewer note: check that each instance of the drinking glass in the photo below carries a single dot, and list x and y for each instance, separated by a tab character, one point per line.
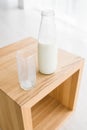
26	68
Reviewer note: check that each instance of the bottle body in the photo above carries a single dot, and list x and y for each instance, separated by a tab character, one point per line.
47	50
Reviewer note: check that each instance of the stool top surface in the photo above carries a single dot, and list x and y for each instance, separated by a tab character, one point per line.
9	83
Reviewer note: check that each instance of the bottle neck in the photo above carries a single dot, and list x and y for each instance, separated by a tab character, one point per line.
47	28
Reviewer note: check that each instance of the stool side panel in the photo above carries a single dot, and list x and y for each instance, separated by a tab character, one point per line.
10	114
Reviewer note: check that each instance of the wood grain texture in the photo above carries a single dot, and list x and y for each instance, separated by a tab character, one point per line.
27	118
48	114
65	93
67	64
52	98
10	114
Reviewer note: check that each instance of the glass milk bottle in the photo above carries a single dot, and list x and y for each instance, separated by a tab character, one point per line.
47	49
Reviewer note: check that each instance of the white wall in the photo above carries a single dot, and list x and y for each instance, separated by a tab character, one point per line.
72	11
63	8
8	4
31	4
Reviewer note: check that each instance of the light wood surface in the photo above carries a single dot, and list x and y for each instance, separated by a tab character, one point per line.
48	110
10	114
65	93
53	97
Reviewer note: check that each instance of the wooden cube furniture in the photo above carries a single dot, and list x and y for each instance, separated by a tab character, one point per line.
49	103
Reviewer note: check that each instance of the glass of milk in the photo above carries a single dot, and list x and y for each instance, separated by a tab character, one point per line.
47	49
26	64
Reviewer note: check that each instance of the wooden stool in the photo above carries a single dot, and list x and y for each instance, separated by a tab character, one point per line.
49	103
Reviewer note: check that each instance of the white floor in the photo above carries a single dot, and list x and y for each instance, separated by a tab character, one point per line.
17	24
